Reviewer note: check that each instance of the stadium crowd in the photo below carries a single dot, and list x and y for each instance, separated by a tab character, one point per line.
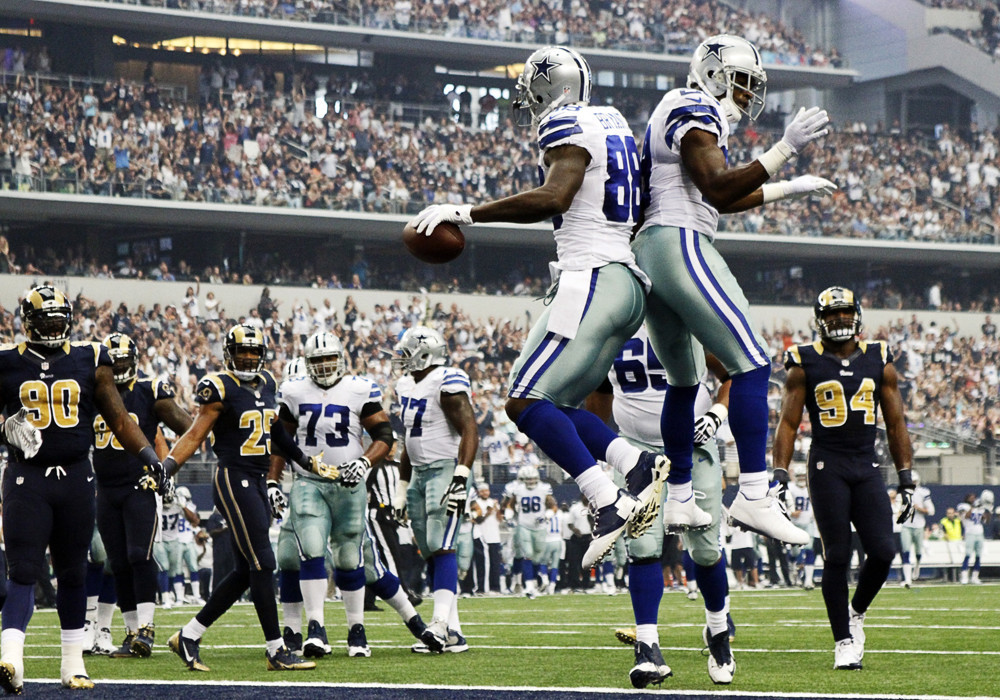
674	26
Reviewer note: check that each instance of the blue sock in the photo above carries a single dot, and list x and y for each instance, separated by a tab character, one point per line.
312	569
518	566
194	581
677	429
592	431
748	418
289	584
95	578
965	562
608	569
18	606
386	587
975	567
446	571
107	594
645	587
553	575
527	571
349	579
713	584
905	557
163	581
688	566
543	572
555	434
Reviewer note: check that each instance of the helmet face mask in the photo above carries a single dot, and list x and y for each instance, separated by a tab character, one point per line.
729	68
47	316
244	352
124	357
801	475
529	475
419	348
553	76
837	328
324	358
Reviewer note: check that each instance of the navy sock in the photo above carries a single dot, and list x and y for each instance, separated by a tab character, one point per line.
446	571
349	580
289	585
677	429
527	571
592	431
71	605
713	584
555	434
748	418
312	569
387	586
645	587
19	606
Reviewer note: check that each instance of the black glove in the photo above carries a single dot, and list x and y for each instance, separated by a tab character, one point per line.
780	487
276	498
458	491
169	491
905	491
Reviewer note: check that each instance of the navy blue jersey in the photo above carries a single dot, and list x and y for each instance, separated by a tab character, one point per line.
842	395
112	464
58	391
241	434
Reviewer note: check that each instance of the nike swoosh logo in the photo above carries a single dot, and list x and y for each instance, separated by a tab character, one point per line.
703	459
90	478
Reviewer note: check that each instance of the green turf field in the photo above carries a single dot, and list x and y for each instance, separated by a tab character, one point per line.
931	640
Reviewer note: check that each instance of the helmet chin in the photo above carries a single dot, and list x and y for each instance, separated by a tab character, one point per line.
243	375
733	113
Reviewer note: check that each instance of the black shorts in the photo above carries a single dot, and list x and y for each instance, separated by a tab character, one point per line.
47	507
241	497
744	558
127	521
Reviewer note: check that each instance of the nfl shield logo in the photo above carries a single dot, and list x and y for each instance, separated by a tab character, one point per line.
245	483
819	465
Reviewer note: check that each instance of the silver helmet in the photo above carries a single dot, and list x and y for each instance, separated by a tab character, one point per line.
296	367
419	348
725	63
324	355
553	76
529	475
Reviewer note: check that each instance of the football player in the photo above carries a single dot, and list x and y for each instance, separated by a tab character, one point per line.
237	408
974	524
633	395
52	391
590	168
842	381
531	499
181	552
440	443
912	532
696	301
327	412
126	516
800	511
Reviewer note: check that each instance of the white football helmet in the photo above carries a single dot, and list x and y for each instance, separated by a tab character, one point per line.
801	474
529	475
838	332
553	76
724	63
324	355
986	498
419	348
296	367
183	493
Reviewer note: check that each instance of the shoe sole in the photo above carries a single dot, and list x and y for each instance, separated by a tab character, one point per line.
141	649
315	651
849	667
644	679
357	652
625	636
78	683
649	500
304	666
7	680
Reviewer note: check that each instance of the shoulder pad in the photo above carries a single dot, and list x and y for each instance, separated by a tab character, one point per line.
211	389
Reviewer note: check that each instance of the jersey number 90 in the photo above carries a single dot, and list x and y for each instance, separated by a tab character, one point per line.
59	404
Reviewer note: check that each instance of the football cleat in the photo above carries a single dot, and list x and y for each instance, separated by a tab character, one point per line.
125	650
609	522
963	577
681	516
721	665
293	640
649	666
284	660
456	644
142	645
316	644
435	636
416	626
78	681
357	641
103	643
645	482
626	635
857	626
845	656
11	678
187	649
89	636
766	516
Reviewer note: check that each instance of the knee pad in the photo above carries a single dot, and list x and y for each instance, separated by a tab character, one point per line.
24	573
705	556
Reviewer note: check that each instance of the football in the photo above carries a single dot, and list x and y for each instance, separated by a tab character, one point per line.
444	245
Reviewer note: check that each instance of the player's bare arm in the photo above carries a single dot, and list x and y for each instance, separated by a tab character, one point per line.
791	416
109	403
168	412
567	165
895	422
727	189
458	410
191	440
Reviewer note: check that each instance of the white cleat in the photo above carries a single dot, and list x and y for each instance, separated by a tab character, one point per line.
845	656
103	644
857	625
609	522
766	516
721	665
680	516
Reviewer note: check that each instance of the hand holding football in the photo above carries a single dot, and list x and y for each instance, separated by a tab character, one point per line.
443	245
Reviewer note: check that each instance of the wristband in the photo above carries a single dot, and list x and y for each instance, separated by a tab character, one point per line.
170	465
776	156
720	411
461	472
905	477
772	191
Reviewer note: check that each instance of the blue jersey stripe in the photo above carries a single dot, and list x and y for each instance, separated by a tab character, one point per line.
559	123
685	119
546	140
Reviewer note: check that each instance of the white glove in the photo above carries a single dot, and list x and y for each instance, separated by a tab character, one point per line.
797	187
276	498
455	495
351	473
19	433
807	125
427	220
399	501
706	425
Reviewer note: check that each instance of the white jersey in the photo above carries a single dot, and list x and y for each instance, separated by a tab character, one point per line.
554	533
974	520
172	521
639	383
670	196
429	436
798	500
597	227
530	504
921	498
329	420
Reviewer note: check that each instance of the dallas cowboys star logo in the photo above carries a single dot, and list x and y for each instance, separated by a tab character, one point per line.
715	50
542	69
